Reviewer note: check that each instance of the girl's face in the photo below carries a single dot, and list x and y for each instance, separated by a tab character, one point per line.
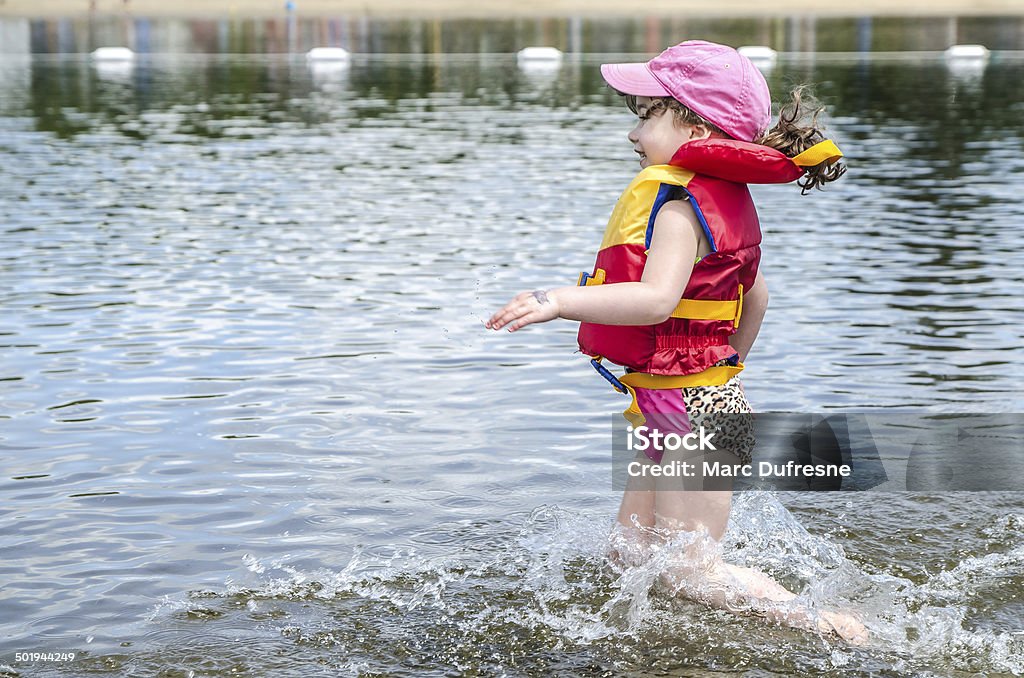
657	136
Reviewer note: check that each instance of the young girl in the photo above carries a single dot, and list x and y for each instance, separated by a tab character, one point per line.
676	296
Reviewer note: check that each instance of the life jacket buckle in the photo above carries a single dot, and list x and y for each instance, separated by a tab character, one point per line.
606	373
587	279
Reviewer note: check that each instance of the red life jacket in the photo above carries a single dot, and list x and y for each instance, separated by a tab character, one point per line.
712	174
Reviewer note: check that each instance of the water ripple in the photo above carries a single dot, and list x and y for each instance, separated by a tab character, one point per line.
243	308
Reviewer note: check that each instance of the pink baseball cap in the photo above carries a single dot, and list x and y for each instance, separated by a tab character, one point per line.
714	81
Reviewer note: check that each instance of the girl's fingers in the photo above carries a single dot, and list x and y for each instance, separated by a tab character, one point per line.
498	319
513	315
519	312
517	321
526	319
514	310
501	317
530	315
495	319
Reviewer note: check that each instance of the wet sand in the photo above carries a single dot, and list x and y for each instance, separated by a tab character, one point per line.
496	9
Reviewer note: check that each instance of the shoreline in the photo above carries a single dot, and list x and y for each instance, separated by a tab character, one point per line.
469	9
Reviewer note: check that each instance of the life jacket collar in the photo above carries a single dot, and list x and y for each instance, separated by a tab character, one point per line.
744	162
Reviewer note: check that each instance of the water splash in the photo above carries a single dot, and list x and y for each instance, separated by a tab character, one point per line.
553	586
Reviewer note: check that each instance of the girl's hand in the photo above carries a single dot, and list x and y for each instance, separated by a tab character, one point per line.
525	309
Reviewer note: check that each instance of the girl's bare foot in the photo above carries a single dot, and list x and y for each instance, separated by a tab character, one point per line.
742	590
846	626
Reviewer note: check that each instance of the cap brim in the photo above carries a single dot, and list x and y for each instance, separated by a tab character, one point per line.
633	79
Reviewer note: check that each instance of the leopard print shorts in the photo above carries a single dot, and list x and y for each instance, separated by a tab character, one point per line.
723	407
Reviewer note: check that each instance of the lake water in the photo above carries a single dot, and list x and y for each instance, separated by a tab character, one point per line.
250	422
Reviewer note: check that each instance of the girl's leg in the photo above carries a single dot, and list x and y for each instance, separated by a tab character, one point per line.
635	520
701	506
682	505
695	502
664	412
701	503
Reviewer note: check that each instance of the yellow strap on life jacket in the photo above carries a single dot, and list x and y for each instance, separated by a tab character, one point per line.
690	309
708	309
715	375
823	151
712	376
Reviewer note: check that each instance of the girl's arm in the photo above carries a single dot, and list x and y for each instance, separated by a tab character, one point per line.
755	302
647	302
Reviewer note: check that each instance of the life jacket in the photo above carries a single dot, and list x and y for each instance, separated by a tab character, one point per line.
712	175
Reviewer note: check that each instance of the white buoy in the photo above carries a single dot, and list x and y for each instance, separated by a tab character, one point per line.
327	54
538	55
967	63
760	55
113	54
967	53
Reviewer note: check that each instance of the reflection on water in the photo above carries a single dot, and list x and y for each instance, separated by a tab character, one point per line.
292	32
245	394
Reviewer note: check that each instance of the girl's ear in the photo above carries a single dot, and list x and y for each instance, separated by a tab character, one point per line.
699	131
